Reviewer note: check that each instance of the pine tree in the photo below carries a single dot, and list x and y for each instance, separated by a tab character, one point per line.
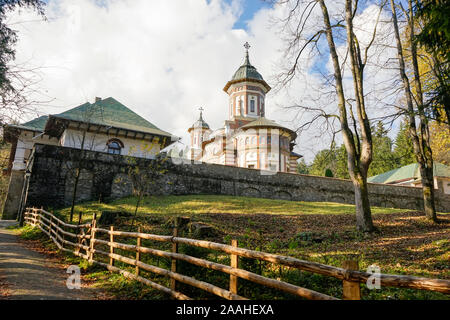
302	167
403	149
383	157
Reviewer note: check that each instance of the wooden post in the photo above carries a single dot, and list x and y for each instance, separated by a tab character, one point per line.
138	254
80	232
50	226
234	264
62	234
173	283
92	240
111	248
351	289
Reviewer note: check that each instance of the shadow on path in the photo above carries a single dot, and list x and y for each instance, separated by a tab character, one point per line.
29	275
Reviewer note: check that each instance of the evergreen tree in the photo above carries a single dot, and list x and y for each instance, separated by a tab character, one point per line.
383	157
8	40
328	173
403	150
341	170
302	167
324	159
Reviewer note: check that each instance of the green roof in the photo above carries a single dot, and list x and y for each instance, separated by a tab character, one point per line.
106	112
247	71
110	112
409	172
37	124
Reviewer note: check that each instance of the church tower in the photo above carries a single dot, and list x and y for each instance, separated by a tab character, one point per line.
199	132
247	92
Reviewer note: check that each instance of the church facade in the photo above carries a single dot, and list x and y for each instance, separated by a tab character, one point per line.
247	139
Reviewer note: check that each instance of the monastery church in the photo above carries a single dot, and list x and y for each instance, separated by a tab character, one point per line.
247	139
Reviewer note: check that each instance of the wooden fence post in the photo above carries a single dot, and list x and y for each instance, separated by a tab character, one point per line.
234	264
111	248
138	253
173	282
351	289
50	226
34	216
92	240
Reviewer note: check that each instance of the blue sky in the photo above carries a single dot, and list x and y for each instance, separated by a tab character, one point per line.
250	7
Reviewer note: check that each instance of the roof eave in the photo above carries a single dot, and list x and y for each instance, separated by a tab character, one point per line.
231	82
51	129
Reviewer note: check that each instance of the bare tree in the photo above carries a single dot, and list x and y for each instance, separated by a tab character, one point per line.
143	174
88	115
355	129
417	119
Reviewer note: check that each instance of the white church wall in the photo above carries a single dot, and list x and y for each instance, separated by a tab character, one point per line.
98	142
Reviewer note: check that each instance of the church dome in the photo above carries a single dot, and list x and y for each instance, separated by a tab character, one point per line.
200	123
263	122
247	71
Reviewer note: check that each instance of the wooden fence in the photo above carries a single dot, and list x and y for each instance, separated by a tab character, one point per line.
85	238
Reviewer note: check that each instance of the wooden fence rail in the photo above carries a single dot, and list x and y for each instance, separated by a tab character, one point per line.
86	238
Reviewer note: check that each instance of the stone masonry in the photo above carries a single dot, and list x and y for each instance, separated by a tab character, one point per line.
103	176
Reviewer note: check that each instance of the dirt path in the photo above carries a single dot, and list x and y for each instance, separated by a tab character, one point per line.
29	275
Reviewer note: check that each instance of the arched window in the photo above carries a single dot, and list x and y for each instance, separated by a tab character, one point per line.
114	146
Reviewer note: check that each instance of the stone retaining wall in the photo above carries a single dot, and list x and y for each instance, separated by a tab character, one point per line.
104	177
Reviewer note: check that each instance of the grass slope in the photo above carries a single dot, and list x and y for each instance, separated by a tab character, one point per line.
323	232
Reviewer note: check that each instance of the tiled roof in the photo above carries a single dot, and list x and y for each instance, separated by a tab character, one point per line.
108	112
409	172
37	124
247	71
264	122
200	123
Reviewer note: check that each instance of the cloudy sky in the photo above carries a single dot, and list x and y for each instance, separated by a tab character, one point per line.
162	59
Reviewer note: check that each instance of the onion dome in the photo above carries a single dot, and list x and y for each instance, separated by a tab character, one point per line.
200	123
246	72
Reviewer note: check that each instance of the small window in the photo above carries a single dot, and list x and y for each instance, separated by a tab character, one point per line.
114	146
252	106
269	140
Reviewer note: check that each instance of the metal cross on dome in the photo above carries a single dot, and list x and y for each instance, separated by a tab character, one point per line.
246	46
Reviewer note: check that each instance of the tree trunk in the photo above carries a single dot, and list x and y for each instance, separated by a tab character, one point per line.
364	221
74	193
420	138
428	193
141	193
357	171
